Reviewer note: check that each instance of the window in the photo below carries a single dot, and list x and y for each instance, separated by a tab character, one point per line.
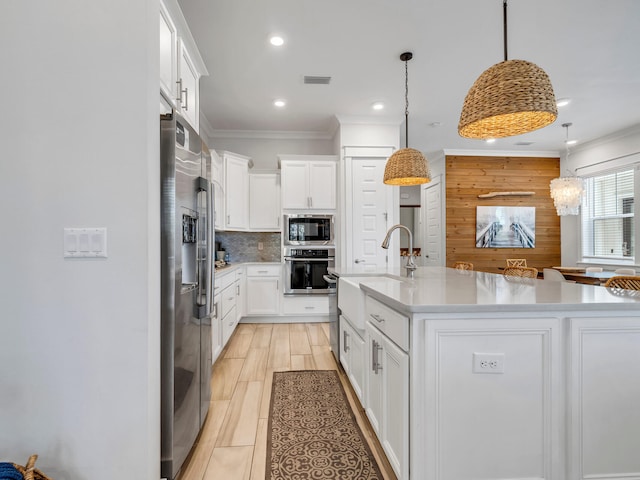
608	230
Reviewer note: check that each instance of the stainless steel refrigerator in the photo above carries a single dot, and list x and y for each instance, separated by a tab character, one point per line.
186	290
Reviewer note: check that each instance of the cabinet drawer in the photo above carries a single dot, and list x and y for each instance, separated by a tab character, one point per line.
223	280
263	270
227	300
393	324
305	305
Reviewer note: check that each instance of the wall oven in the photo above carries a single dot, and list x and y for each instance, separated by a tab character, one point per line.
305	269
302	229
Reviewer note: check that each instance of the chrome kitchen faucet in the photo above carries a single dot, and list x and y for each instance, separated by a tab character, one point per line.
410	266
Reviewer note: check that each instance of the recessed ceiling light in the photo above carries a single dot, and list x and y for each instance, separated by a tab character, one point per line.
377	106
276	40
490	140
279	103
563	102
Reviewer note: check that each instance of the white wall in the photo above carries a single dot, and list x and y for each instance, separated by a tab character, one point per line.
264	151
79	339
609	152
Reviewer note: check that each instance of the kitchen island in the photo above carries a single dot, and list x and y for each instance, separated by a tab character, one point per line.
472	375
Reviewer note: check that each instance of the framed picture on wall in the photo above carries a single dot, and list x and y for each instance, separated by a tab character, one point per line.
506	227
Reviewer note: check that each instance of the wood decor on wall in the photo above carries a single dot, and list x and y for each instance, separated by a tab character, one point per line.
467	177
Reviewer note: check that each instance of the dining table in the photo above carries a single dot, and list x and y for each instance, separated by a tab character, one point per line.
589	278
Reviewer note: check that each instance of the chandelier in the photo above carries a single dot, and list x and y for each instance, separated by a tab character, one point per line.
567	192
510	98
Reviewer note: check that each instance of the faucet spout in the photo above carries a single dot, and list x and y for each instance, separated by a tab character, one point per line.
410	266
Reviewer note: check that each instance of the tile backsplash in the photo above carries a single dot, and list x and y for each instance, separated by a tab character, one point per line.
243	246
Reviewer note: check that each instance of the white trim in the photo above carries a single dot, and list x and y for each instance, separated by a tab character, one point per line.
363	151
502	153
272	134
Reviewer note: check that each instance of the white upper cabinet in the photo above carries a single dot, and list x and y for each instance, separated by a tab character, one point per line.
264	202
168	54
308	182
181	65
188	84
236	190
217	180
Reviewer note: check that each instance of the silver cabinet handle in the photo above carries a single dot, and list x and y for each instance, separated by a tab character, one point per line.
345	337
238	290
309	308
185	105
311	202
263	271
228	218
277	285
377	318
375	358
215	310
179	97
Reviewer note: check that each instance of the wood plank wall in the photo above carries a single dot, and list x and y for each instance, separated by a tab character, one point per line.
469	176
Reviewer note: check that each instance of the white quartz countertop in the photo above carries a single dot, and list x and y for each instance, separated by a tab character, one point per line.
440	289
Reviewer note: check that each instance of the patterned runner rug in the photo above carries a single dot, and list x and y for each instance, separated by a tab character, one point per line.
313	433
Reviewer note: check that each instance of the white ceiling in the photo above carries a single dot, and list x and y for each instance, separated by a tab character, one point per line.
589	49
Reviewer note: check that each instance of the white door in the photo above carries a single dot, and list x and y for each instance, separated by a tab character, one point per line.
432	235
371	200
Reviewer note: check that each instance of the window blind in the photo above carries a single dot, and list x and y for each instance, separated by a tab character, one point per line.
607	216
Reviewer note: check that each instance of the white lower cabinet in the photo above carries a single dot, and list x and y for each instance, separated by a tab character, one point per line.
263	282
387	397
226	292
216	329
353	355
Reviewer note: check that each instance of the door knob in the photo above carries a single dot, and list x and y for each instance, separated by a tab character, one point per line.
357	260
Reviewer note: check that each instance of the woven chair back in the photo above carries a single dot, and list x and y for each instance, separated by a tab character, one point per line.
516	262
624	282
524	272
463	266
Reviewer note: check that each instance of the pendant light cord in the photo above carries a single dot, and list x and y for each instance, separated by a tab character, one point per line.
504	27
406	103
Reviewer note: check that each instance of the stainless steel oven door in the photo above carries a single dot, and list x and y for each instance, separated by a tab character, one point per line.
304	276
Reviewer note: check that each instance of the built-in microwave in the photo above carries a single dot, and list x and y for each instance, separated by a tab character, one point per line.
302	229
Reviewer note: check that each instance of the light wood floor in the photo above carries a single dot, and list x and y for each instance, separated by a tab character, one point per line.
232	444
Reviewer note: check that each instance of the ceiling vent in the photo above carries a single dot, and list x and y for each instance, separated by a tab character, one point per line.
523	144
316	80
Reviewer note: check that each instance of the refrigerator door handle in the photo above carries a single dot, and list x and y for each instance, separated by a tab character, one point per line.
203	305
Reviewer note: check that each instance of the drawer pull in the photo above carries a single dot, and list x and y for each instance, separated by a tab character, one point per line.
263	271
377	318
309	308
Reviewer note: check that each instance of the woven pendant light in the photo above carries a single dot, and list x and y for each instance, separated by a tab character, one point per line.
406	166
510	98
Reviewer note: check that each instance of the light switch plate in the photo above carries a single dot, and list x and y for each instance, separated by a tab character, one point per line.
85	243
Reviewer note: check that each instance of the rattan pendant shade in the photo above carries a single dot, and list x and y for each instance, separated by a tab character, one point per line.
406	166
510	98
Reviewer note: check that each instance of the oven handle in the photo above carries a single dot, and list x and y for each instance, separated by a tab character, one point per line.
316	259
331	280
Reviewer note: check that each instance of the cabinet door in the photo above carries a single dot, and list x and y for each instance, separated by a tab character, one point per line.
346	340
322	185
236	185
265	295
264	202
295	189
395	406
358	363
188	94
375	384
229	323
168	56
217	179
241	308
216	328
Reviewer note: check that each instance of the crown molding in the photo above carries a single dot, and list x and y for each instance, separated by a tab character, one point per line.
502	153
272	134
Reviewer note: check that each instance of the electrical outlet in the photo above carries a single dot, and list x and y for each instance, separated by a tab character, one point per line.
260	246
488	362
